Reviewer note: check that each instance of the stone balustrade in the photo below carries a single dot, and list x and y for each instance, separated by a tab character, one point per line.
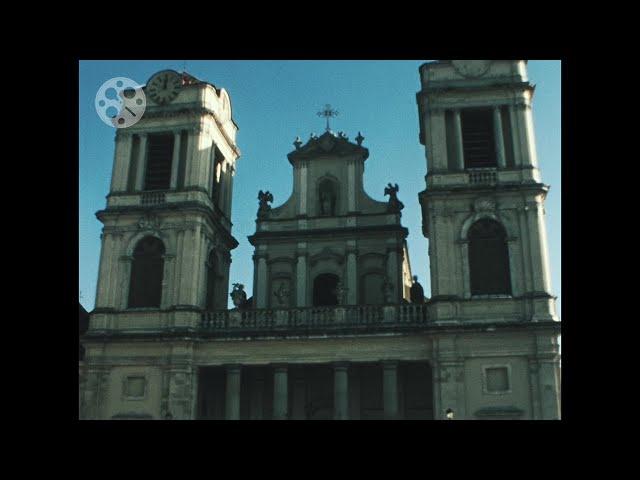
319	320
483	176
154	197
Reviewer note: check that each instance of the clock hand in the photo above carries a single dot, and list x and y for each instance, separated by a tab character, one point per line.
166	79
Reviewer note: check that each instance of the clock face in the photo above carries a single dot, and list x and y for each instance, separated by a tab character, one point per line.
471	68
164	86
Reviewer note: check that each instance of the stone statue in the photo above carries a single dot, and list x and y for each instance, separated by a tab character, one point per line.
264	207
340	292
238	295
282	294
394	204
387	290
325	203
416	293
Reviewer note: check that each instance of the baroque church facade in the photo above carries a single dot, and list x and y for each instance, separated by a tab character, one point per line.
336	329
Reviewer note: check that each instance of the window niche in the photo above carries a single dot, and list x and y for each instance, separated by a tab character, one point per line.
145	287
134	387
327	198
496	379
489	259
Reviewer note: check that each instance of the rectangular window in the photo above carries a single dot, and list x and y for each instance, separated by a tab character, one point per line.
497	379
159	156
478	138
134	387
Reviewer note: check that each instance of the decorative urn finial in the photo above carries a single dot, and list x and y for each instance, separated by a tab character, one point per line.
297	143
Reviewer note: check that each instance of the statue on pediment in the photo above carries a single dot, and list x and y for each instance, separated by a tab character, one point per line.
264	208
394	204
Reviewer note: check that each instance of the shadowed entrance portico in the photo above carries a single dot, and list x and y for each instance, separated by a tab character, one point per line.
337	391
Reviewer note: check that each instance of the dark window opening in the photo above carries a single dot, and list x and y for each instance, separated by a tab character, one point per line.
145	288
489	259
478	138
159	156
324	290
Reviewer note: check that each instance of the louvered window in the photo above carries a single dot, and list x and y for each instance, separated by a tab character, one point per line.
159	155
478	138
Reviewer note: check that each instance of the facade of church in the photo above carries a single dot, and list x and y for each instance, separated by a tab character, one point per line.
335	329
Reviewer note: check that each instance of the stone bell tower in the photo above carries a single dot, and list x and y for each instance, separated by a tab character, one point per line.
167	224
483	209
483	213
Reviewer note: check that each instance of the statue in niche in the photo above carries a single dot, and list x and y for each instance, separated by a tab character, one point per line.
394	204
327	198
238	295
282	295
341	292
264	208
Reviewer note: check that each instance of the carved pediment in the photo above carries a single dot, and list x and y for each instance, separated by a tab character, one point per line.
327	144
327	254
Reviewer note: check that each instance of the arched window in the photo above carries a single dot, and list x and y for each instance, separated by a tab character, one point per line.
145	288
489	258
211	281
324	290
327	197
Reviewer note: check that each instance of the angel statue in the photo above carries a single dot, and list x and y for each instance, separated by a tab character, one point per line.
264	207
394	204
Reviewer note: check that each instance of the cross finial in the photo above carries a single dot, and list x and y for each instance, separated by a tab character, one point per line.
328	112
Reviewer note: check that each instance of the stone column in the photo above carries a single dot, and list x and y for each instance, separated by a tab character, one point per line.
390	389
122	158
262	281
175	160
301	278
230	191
498	137
457	135
393	272
232	393
538	245
280	392
341	391
142	162
354	387
222	187
303	188
351	185
436	131
525	125
352	276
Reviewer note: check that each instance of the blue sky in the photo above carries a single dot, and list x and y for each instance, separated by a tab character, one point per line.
275	101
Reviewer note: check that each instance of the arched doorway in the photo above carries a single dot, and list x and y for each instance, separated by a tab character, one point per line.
324	290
